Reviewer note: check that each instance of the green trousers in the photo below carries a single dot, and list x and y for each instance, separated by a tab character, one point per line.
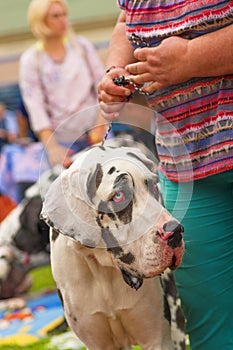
205	277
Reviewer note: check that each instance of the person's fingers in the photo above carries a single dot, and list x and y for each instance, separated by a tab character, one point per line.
137	68
110	116
141	79
150	88
110	98
141	53
110	111
111	107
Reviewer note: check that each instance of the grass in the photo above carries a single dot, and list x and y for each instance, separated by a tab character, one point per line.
43	279
41	345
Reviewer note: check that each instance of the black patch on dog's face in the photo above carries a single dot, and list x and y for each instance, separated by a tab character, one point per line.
148	163
123	209
152	185
114	247
111	170
127	258
132	279
104	207
111	242
94	180
125	215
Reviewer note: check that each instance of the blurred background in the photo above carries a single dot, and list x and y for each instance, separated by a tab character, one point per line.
93	19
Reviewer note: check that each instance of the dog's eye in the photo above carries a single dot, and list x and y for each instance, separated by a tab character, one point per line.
119	197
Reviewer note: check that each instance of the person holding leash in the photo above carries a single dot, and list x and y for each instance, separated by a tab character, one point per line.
180	54
59	75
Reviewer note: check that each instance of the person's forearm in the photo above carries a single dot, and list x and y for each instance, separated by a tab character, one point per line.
120	51
212	54
46	136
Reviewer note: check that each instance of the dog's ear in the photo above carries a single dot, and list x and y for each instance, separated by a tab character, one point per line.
68	209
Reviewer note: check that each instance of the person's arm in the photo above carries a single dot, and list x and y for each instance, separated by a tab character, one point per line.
120	53
34	100
32	91
97	133
177	60
11	127
23	125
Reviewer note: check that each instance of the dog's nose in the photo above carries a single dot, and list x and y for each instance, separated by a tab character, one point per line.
173	232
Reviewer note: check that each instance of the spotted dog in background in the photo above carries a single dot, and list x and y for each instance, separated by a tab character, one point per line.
24	240
111	239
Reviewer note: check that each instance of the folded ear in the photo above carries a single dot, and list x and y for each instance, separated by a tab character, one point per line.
68	210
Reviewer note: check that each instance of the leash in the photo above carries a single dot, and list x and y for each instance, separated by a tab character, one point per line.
106	134
123	81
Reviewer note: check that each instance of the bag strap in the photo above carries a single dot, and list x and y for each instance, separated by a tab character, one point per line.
38	66
81	47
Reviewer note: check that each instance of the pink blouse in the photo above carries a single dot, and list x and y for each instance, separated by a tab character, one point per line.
59	95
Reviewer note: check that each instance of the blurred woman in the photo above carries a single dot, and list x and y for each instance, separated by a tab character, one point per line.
58	79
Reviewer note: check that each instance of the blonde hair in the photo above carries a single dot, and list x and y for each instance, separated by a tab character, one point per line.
37	12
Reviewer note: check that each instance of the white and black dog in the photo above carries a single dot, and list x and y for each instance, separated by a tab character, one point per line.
110	241
24	239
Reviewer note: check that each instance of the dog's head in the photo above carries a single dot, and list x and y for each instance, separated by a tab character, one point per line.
109	198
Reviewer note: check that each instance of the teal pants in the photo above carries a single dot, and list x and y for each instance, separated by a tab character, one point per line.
205	277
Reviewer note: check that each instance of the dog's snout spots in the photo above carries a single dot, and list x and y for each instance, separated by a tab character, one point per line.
111	170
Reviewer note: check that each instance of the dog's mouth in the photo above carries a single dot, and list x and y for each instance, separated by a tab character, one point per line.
134	282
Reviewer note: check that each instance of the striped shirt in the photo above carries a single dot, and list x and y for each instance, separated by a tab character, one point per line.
194	119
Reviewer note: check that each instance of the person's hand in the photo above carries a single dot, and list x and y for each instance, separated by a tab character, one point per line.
59	155
11	137
161	66
111	96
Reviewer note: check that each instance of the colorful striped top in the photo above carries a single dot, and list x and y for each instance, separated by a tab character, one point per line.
194	120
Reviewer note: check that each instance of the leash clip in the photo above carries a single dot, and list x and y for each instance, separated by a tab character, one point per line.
123	81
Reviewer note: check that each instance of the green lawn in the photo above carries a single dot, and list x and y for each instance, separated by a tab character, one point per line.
42	279
42	345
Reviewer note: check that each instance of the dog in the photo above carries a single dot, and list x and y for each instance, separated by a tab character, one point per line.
110	241
24	239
